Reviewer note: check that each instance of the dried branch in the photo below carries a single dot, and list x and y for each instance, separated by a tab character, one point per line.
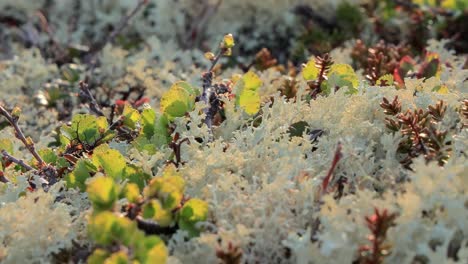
152	228
3	178
210	94
20	162
28	143
93	105
175	145
196	27
119	27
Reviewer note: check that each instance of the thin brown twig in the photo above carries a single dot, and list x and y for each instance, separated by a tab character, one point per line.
120	26
20	162
46	27
193	37
19	134
93	105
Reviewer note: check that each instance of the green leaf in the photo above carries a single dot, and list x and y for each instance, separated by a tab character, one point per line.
151	249
136	175
342	75
346	73
193	211
158	253
131	116
385	80
131	192
148	118
98	257
119	257
310	72
100	228
155	211
102	192
85	128
247	96
141	143
110	160
171	180
48	155
80	174
430	69
178	100
297	129
161	135
125	231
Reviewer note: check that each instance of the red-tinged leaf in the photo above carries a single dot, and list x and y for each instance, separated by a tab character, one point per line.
429	69
406	64
142	101
120	103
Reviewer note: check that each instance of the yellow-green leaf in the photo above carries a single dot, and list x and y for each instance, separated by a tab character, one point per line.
131	116
228	41
385	80
79	175
102	192
178	100
155	211
151	249
193	211
346	73
136	175
98	257
131	191
100	228
86	128
310	72
247	96
148	118
158	254
112	162
119	257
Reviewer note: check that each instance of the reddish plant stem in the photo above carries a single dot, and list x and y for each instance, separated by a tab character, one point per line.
335	161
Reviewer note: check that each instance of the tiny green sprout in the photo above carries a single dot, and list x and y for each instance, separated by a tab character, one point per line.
228	41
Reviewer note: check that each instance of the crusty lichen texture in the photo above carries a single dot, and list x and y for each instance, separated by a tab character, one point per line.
264	187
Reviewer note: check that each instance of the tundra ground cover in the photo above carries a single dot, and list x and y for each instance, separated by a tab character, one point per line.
233	131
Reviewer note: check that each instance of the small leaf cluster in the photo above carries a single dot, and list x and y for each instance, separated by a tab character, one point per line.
132	232
323	75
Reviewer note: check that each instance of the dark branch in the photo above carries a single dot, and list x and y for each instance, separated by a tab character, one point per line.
120	26
93	105
20	162
13	120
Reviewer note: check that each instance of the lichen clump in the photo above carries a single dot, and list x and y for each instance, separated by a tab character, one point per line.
313	132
